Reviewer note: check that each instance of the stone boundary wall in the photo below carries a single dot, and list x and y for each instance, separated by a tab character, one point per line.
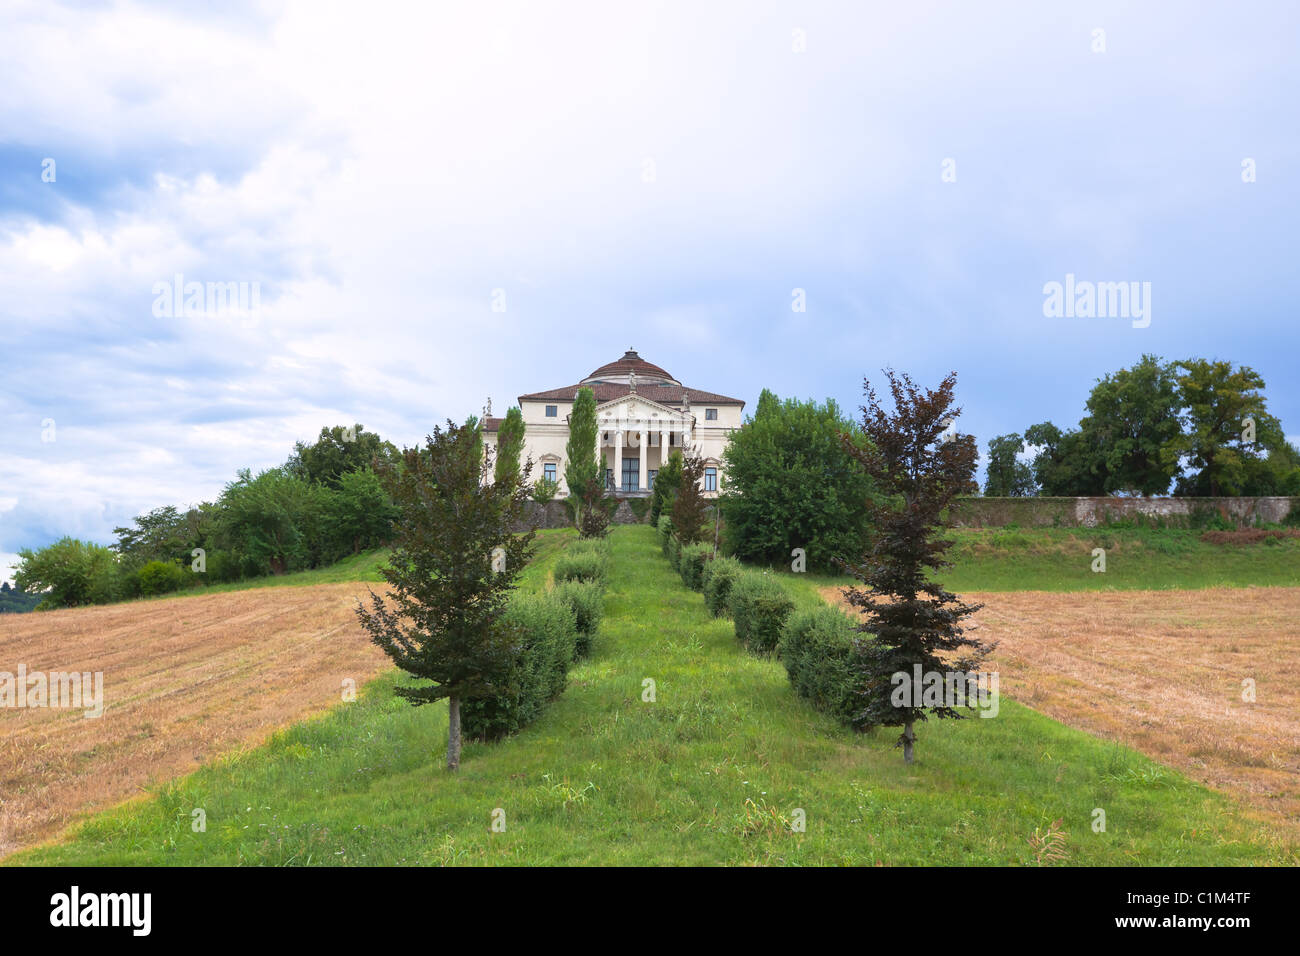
555	515
1091	512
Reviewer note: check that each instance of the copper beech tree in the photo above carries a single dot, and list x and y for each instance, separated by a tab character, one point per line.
454	562
909	619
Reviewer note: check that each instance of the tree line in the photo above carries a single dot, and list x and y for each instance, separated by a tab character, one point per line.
324	503
1201	426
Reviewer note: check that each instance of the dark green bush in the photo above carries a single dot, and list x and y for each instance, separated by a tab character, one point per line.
581	565
223	566
547	642
691	563
674	553
665	528
587	600
162	577
759	606
718	576
817	651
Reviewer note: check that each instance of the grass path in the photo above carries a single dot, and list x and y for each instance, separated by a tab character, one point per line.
711	772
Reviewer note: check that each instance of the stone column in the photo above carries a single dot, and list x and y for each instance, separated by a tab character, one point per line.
663	445
645	455
618	460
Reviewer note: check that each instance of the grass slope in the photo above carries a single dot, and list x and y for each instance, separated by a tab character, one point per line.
1051	559
710	773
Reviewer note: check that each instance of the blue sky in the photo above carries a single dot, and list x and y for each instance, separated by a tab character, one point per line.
660	176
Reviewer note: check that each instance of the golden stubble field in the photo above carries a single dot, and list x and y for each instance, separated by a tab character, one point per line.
185	681
1163	672
190	679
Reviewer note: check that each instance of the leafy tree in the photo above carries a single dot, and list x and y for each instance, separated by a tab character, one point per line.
1219	398
444	623
360	514
791	484
158	535
1134	420
544	490
510	444
72	573
581	464
667	481
594	520
273	518
1007	476
1276	474
339	449
912	619
689	506
1067	464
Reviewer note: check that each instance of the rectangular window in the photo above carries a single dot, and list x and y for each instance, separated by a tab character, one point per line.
631	473
650	480
549	470
710	414
552	411
710	479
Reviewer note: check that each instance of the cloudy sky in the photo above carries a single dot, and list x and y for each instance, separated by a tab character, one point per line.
654	175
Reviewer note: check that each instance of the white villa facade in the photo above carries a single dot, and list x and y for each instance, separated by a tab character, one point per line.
643	414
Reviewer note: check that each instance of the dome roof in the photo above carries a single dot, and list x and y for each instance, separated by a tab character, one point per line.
620	371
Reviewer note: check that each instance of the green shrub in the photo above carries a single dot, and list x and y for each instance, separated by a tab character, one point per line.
674	553
161	577
547	642
759	606
691	563
817	651
581	566
223	566
665	528
718	576
587	600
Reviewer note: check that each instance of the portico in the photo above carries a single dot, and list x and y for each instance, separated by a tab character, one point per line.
634	429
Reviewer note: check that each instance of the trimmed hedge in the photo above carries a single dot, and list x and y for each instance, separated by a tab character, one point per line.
717	579
547	630
665	529
759	606
585	564
817	651
692	560
587	601
675	554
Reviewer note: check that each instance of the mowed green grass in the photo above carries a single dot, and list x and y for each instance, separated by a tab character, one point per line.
1052	559
711	772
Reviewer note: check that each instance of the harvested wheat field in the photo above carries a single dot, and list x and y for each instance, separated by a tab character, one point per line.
185	680
1162	672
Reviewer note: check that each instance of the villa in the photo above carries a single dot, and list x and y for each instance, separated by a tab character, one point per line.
643	414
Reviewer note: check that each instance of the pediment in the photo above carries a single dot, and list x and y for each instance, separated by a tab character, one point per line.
638	408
